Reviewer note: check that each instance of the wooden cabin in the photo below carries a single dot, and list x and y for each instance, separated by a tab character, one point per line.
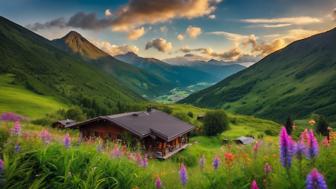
61	124
159	133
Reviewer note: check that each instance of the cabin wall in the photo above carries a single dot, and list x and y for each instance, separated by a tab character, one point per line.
103	129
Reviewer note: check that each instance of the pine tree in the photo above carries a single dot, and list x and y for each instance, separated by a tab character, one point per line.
322	126
289	125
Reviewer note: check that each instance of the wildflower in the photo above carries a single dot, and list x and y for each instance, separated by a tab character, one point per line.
138	158
215	162
183	174
312	122
45	136
315	180
99	148
304	136
254	185
267	168
144	162
202	162
326	142
299	149
16	130
285	148
229	157
158	183
10	116
2	165
312	146
17	148
116	151
67	140
256	147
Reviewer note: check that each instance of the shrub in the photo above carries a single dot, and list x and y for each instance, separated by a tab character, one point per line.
270	132
75	113
182	116
215	122
322	126
289	125
190	114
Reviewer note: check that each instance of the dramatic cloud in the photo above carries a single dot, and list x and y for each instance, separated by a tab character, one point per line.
139	12
115	49
108	12
258	47
212	16
275	25
230	55
136	33
159	44
59	22
180	37
333	14
193	32
304	20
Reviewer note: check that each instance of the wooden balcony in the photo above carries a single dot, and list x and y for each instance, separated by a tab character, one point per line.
168	154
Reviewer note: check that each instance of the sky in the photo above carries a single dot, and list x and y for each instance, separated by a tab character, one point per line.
178	30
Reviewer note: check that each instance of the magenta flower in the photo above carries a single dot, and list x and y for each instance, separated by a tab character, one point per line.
2	165
45	136
144	162
254	185
267	168
16	129
312	146
158	183
202	162
67	140
216	162
116	151
315	180
183	174
286	148
10	116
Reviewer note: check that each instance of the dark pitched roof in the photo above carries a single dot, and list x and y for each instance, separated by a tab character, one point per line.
145	123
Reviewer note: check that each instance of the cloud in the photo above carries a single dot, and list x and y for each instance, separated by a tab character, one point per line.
136	33
275	25
237	39
333	14
139	12
59	22
193	32
303	20
159	44
180	37
163	29
230	55
108	12
114	50
212	16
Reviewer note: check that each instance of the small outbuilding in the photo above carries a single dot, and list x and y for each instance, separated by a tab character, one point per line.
244	140
61	124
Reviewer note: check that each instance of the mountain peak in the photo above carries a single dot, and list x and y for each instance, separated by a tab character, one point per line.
130	54
72	34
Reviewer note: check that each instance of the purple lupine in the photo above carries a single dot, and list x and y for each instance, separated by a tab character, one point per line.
158	183
67	140
267	168
10	116
312	146
2	165
299	149
144	162
202	162
183	174
286	148
16	129
45	136
254	185
17	147
216	162
315	180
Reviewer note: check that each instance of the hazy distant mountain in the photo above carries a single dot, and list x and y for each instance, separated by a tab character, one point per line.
184	74
141	81
297	80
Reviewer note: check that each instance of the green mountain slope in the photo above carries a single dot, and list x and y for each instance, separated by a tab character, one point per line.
297	80
139	80
39	66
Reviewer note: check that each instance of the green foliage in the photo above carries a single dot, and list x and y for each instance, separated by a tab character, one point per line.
4	135
75	113
215	122
190	114
182	116
322	126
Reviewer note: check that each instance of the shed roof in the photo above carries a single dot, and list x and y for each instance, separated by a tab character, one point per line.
245	140
67	122
147	123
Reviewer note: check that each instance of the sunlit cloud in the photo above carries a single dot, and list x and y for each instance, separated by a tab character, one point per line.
275	25
193	32
212	16
159	44
304	20
114	50
136	33
333	14
180	37
108	12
